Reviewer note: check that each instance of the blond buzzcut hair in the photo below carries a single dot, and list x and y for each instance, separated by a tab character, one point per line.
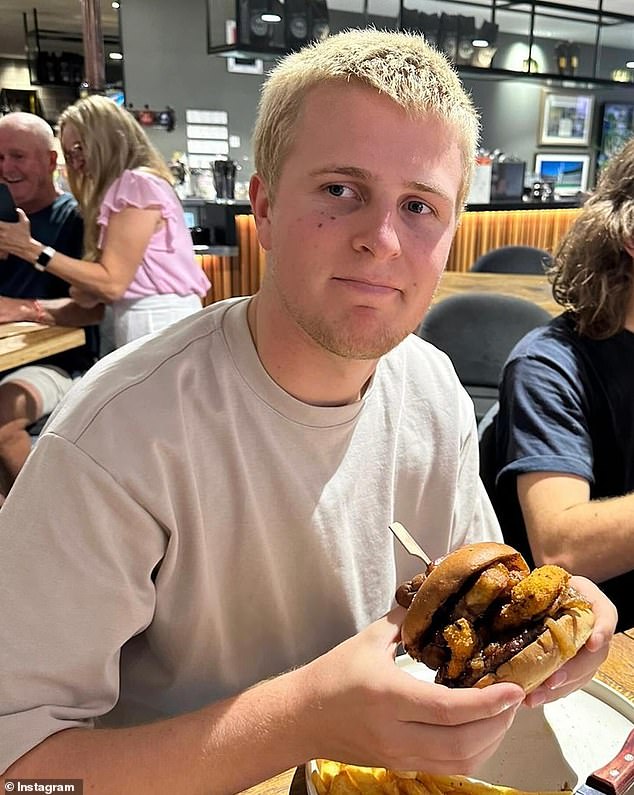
112	142
401	66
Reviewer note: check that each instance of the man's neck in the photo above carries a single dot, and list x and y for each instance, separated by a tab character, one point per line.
301	367
41	201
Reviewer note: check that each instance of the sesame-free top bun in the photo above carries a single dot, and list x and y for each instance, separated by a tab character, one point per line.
447	577
560	642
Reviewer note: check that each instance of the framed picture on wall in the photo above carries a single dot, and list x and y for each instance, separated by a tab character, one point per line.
567	173
617	127
566	119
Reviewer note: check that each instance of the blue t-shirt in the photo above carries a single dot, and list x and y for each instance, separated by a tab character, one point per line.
567	405
59	225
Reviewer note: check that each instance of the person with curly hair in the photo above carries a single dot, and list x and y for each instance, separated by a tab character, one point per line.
565	427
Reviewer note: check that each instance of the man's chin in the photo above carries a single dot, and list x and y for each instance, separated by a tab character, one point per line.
359	347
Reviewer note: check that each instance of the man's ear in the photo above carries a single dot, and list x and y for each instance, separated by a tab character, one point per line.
52	163
629	247
261	205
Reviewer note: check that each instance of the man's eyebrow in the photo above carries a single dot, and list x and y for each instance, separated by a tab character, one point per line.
367	176
346	171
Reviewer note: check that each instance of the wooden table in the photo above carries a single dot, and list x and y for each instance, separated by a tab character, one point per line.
617	671
533	288
21	343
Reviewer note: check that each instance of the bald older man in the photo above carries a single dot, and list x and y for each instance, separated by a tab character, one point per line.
27	162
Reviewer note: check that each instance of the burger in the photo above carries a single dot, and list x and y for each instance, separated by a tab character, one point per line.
479	616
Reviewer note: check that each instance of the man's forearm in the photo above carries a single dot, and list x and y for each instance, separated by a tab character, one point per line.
222	748
593	538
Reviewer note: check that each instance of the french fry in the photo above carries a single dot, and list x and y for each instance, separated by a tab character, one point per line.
390	784
429	781
411	786
343	784
318	783
328	770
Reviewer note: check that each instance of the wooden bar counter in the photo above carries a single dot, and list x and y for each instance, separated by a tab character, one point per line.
617	672
21	343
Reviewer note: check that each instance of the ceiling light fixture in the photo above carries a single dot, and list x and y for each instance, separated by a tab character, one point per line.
480	43
271	18
115	56
115	4
630	65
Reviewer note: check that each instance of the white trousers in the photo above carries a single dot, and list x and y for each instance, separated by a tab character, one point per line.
136	317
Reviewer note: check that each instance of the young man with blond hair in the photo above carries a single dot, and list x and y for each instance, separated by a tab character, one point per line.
225	566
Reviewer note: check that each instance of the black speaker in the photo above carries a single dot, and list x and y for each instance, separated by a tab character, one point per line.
429	25
483	55
319	19
409	20
297	31
448	37
466	30
253	28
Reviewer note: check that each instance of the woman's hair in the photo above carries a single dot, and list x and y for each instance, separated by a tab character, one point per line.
592	272
401	66
112	142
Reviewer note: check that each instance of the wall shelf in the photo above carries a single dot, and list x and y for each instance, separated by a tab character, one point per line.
601	41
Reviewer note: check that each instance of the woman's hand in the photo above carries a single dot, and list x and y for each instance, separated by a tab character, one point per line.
358	706
16	238
576	672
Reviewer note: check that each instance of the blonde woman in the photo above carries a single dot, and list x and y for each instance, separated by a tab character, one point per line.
135	231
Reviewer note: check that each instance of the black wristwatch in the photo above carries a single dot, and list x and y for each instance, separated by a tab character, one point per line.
44	257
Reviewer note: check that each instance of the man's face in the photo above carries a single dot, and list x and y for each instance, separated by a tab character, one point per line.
362	220
26	166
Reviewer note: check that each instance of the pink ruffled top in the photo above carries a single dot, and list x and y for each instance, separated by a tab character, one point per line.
168	264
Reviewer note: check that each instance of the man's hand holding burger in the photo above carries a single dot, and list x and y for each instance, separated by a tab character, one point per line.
359	707
582	667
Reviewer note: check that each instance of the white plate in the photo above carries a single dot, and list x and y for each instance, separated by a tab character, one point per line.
554	747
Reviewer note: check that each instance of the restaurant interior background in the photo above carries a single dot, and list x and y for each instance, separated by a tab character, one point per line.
166	63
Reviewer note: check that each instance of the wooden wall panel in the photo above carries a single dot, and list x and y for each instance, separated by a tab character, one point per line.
480	232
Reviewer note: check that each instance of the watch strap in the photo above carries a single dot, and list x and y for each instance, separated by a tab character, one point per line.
44	257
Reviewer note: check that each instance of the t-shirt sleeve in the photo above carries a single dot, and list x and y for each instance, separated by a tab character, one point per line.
75	584
143	191
542	425
134	189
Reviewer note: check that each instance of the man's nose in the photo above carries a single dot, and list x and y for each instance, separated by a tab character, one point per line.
378	234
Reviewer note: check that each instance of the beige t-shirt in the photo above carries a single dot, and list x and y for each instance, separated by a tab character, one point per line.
185	528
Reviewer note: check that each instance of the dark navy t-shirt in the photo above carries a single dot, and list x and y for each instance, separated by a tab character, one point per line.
567	405
61	227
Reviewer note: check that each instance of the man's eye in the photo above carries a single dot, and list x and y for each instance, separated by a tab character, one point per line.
418	207
337	190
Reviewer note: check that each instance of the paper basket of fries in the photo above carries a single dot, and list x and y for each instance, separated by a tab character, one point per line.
325	777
